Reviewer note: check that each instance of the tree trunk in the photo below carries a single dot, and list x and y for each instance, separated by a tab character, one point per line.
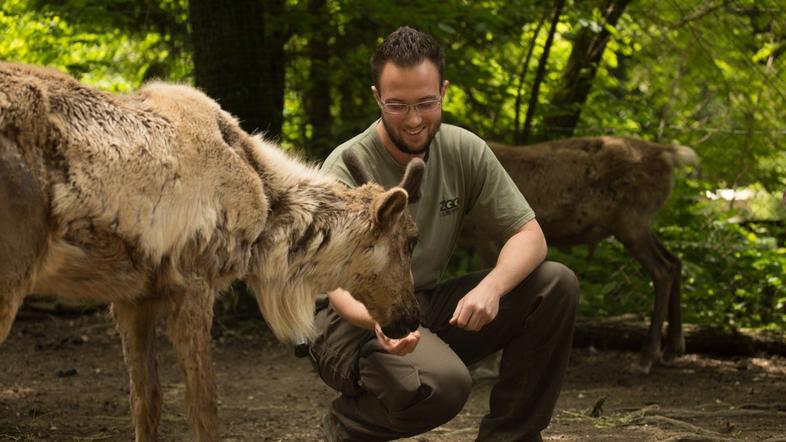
522	78
317	94
239	59
568	99
541	72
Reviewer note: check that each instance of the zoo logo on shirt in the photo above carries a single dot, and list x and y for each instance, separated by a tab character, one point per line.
449	206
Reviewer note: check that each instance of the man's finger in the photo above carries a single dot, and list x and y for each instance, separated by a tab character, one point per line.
412	341
466	316
406	347
456	313
477	322
400	347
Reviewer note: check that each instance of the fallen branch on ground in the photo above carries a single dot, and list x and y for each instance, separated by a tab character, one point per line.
627	332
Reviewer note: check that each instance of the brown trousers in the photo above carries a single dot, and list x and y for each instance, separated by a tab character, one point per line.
386	397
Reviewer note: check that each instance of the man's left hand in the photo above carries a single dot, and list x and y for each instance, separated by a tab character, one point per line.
476	309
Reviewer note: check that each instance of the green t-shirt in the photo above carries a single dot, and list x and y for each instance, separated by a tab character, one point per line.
462	178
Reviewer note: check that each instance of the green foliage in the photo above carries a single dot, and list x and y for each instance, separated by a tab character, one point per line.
612	283
81	44
733	274
707	74
700	74
482	43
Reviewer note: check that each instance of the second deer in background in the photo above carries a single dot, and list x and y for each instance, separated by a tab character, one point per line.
584	190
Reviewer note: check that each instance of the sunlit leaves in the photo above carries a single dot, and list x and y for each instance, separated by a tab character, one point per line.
107	57
707	74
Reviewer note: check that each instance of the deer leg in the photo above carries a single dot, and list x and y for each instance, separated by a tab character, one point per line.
643	247
24	227
9	305
675	341
136	324
12	290
189	331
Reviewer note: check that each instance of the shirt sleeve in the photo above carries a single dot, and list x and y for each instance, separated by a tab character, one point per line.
496	205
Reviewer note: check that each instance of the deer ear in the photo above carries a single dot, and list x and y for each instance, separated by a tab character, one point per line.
389	205
355	167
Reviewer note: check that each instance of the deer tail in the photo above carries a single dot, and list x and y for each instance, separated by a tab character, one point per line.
684	156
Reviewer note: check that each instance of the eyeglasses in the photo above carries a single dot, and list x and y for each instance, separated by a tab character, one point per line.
420	107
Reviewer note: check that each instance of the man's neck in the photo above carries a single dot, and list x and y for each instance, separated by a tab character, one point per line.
401	158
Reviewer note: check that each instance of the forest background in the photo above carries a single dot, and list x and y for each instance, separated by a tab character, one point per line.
710	74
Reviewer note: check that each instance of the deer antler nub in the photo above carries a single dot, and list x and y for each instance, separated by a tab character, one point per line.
355	168
413	176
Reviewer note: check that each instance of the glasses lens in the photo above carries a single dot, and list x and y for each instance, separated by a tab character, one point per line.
426	106
402	108
396	108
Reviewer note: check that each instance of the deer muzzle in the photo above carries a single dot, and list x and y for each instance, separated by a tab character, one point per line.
404	323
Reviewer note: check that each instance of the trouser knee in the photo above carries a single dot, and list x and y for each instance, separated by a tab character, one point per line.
562	284
454	391
442	398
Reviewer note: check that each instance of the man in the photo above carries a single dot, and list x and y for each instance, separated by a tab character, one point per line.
393	388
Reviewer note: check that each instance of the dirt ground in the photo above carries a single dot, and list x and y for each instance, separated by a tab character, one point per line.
63	379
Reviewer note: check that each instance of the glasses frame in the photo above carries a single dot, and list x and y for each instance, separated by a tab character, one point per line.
416	106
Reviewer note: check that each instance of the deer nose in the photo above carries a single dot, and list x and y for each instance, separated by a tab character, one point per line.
402	327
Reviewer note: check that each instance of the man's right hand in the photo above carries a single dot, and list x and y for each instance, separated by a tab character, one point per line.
398	347
353	311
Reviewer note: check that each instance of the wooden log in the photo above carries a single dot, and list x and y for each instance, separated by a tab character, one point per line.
627	332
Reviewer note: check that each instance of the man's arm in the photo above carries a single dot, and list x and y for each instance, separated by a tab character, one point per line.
522	252
353	311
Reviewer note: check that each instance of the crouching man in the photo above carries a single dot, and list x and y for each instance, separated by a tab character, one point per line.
393	388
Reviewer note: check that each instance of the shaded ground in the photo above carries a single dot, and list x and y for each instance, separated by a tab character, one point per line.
64	379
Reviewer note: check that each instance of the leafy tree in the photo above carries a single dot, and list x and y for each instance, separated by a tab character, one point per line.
114	44
533	99
704	73
576	81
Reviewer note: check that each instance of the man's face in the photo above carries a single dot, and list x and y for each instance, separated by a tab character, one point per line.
411	131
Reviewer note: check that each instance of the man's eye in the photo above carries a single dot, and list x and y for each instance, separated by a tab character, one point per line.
397	107
425	106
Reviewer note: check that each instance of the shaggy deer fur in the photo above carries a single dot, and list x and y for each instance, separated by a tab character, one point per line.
586	189
154	202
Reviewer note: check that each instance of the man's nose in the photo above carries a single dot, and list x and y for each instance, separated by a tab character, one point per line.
413	116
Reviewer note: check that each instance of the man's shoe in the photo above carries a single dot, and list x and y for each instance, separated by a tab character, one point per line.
332	429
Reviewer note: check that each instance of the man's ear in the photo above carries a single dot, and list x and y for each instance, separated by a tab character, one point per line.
389	206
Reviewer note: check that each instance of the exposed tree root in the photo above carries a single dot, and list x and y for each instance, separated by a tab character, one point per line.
693	429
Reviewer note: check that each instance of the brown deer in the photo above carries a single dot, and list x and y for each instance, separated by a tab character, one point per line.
156	201
586	189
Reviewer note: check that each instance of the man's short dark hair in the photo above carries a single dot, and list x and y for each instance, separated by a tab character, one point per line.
407	47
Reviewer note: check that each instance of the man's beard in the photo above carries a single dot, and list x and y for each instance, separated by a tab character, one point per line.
402	147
